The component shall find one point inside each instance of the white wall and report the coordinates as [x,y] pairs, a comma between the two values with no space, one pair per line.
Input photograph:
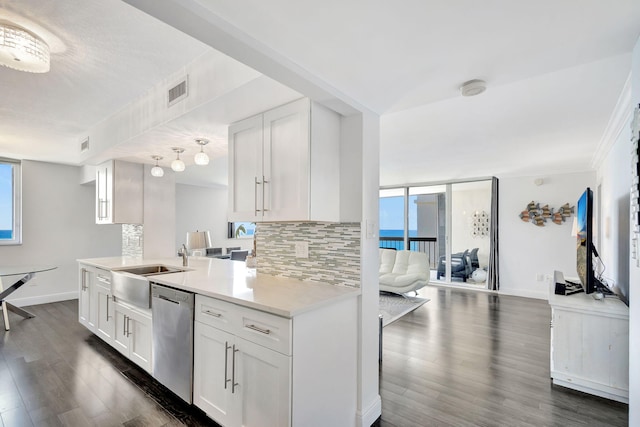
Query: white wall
[527,251]
[634,281]
[204,208]
[614,182]
[159,228]
[58,227]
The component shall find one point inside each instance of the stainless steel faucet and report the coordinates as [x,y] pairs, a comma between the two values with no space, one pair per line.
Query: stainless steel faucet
[185,256]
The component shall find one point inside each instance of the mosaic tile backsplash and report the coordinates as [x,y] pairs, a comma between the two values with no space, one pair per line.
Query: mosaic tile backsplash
[334,251]
[132,240]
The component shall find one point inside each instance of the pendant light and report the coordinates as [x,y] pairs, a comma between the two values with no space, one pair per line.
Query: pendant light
[177,165]
[157,171]
[201,158]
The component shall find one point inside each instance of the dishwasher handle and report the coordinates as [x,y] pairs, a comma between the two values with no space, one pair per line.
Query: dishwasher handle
[167,299]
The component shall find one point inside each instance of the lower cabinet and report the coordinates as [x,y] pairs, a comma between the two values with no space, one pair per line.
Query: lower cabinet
[238,382]
[104,311]
[132,334]
[257,369]
[124,327]
[86,302]
[590,345]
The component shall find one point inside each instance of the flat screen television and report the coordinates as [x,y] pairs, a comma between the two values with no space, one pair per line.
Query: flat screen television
[584,254]
[586,251]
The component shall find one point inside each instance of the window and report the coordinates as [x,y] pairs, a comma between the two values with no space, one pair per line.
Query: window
[437,220]
[241,230]
[10,202]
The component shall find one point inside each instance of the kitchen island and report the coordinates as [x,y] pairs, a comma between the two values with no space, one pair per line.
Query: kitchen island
[267,350]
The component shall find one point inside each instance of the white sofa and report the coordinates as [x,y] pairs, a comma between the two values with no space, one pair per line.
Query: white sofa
[403,271]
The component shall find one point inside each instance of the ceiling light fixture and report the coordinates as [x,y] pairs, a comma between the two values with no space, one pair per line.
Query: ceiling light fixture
[22,50]
[201,158]
[473,87]
[177,165]
[157,171]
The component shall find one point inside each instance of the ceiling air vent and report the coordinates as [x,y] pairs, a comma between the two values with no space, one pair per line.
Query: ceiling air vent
[84,145]
[178,92]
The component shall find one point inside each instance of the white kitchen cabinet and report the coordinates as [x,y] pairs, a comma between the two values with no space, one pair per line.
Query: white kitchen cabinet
[211,382]
[104,306]
[253,368]
[263,379]
[590,345]
[132,333]
[124,327]
[284,165]
[119,193]
[86,302]
[238,382]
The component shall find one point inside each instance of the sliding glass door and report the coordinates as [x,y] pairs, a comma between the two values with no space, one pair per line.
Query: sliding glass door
[469,218]
[426,212]
[393,218]
[449,222]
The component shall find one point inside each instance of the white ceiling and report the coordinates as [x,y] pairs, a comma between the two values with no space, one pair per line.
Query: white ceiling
[555,71]
[104,54]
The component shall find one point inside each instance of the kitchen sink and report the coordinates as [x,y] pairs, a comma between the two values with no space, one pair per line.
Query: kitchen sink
[131,284]
[149,270]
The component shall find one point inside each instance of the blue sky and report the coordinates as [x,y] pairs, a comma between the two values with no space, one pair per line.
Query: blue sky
[5,197]
[392,213]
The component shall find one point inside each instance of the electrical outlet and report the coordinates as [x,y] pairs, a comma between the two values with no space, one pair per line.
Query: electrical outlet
[302,249]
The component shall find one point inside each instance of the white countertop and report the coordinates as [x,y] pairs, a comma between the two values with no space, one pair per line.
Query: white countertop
[232,281]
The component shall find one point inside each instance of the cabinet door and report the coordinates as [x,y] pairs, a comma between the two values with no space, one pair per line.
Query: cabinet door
[120,324]
[139,334]
[104,312]
[104,191]
[212,362]
[86,304]
[264,378]
[286,162]
[245,170]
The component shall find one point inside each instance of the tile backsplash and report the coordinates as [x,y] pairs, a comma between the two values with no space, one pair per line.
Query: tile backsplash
[334,251]
[132,240]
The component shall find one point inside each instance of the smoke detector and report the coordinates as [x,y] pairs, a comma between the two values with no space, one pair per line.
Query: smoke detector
[473,87]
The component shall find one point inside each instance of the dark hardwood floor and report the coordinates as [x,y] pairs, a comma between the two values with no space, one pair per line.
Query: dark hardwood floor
[465,358]
[469,358]
[54,372]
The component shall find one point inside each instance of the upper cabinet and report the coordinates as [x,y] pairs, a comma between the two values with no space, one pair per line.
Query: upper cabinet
[284,165]
[119,193]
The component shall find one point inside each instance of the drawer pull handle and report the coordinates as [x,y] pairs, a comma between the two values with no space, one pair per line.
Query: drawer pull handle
[257,329]
[211,313]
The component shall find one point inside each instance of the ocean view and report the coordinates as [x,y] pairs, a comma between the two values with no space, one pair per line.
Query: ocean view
[6,234]
[397,233]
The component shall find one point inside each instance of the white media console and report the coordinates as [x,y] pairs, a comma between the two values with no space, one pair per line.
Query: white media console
[590,344]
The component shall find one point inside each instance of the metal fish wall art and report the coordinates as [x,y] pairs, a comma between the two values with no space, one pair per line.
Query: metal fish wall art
[538,216]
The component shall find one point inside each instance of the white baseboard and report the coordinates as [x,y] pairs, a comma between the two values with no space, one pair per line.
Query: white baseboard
[524,293]
[370,414]
[43,299]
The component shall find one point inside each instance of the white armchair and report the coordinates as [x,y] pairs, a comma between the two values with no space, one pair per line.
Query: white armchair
[403,271]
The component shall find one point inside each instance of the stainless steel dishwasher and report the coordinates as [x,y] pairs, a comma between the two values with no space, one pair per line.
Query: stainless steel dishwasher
[172,312]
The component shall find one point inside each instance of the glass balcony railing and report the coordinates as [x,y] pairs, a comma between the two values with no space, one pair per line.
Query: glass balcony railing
[428,245]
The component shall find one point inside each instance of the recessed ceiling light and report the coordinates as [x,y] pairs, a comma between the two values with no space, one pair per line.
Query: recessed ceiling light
[473,87]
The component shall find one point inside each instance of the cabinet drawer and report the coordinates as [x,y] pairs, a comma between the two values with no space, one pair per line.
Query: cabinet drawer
[217,313]
[265,329]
